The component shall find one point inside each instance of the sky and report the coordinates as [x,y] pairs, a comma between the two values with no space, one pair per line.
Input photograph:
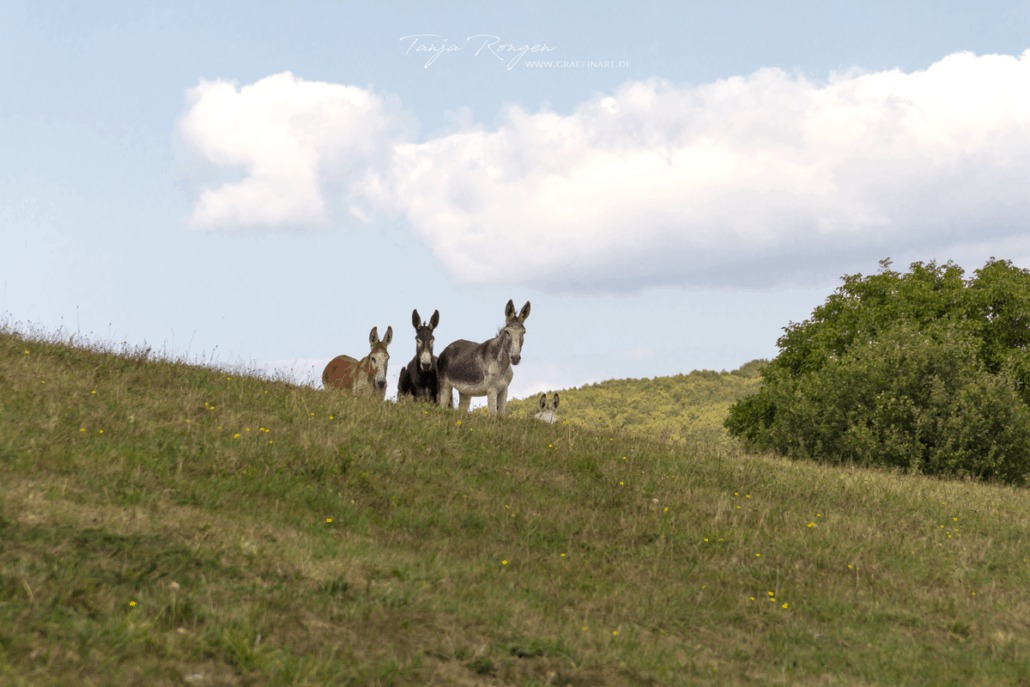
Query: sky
[669,184]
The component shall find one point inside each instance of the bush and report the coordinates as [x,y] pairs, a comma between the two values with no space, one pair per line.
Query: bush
[925,372]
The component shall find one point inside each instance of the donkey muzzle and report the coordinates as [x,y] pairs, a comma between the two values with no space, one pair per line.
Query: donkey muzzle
[380,384]
[515,359]
[425,362]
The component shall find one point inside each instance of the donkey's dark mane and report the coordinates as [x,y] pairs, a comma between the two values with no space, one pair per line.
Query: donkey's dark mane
[507,325]
[498,341]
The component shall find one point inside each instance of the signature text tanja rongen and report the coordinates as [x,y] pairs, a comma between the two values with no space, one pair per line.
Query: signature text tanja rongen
[422,43]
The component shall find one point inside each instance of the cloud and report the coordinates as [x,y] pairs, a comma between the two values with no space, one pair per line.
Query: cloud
[749,181]
[761,177]
[293,139]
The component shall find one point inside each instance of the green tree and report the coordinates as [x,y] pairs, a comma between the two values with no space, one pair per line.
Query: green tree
[925,370]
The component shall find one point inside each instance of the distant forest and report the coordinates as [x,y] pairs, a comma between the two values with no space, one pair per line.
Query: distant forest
[686,408]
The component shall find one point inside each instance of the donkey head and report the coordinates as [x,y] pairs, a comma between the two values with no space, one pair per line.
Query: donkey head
[548,413]
[379,358]
[513,324]
[424,338]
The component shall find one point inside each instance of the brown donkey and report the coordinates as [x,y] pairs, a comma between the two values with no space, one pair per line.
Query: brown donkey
[366,376]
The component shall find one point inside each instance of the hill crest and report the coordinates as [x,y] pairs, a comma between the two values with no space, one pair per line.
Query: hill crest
[682,408]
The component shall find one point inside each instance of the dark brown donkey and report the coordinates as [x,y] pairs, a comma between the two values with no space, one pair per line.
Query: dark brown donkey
[418,380]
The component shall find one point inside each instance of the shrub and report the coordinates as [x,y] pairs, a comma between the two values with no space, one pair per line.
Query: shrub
[922,371]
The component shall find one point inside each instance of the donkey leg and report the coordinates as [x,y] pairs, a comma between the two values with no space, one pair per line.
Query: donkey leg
[491,402]
[464,400]
[446,399]
[502,401]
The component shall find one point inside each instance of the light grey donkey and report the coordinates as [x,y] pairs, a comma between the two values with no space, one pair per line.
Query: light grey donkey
[483,369]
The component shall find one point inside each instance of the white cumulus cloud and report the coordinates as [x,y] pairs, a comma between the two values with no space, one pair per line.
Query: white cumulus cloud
[753,180]
[293,139]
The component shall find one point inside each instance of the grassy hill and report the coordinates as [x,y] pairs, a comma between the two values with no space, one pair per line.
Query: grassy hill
[683,409]
[165,524]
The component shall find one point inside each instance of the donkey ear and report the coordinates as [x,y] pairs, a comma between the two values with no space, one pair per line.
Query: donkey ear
[556,401]
[525,312]
[389,336]
[373,336]
[416,322]
[434,320]
[543,401]
[509,310]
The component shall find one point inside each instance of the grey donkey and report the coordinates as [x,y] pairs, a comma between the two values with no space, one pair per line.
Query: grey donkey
[483,369]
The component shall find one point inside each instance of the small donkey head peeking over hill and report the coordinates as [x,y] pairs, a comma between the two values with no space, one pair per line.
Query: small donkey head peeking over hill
[548,412]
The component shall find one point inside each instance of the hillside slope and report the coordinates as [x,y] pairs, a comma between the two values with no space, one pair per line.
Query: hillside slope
[166,524]
[686,408]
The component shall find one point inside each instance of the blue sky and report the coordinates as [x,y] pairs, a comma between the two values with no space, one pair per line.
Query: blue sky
[669,184]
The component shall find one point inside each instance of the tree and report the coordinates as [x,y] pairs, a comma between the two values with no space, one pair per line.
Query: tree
[924,371]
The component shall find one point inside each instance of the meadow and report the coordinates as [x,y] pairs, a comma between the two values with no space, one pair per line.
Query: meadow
[164,523]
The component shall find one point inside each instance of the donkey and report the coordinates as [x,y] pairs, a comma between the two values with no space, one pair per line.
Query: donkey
[483,369]
[367,376]
[548,413]
[418,379]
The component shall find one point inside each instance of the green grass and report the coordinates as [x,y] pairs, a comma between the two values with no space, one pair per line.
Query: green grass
[168,524]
